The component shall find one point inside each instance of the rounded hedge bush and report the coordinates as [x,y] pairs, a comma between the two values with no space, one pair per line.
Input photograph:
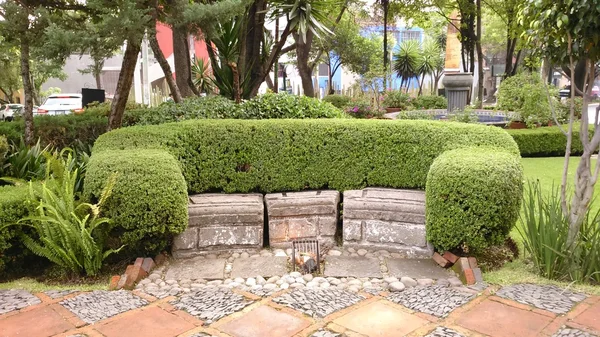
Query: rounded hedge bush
[473,198]
[284,105]
[149,201]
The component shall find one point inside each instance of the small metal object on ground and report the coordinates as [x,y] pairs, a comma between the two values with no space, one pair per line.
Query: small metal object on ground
[306,256]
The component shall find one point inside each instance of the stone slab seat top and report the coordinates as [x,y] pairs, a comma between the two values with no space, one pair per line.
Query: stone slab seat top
[265,266]
[196,268]
[221,222]
[390,219]
[345,266]
[417,269]
[302,215]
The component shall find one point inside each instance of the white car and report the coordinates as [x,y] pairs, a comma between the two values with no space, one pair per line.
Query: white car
[8,111]
[60,104]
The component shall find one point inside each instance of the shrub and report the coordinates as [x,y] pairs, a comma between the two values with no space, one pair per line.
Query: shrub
[429,102]
[396,99]
[68,233]
[190,108]
[363,109]
[415,115]
[25,162]
[284,105]
[290,155]
[473,197]
[338,101]
[3,153]
[148,203]
[467,115]
[563,109]
[545,142]
[526,94]
[13,207]
[59,131]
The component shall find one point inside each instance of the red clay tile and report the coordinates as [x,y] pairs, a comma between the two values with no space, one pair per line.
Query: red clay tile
[500,320]
[379,319]
[590,317]
[265,321]
[450,257]
[441,260]
[148,322]
[38,322]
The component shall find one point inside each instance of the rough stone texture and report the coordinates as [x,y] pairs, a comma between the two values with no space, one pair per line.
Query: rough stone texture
[202,334]
[441,331]
[437,300]
[302,215]
[54,294]
[318,302]
[546,297]
[211,304]
[566,332]
[101,304]
[196,268]
[386,219]
[326,333]
[417,269]
[265,266]
[342,266]
[221,222]
[15,299]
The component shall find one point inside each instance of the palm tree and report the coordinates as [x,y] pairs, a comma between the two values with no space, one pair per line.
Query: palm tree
[406,61]
[430,61]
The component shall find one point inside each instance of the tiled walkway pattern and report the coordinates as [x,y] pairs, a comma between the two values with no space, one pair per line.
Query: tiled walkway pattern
[516,311]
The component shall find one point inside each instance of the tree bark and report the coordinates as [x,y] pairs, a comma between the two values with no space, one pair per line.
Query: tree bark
[479,58]
[164,65]
[117,107]
[268,63]
[182,61]
[28,91]
[98,77]
[304,70]
[254,35]
[385,4]
[236,82]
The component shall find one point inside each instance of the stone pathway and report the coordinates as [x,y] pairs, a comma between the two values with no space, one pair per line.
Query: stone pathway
[433,310]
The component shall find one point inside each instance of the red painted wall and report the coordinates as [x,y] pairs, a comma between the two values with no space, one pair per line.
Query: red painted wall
[164,35]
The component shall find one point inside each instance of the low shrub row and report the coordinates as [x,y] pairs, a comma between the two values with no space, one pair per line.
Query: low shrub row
[546,141]
[149,201]
[473,197]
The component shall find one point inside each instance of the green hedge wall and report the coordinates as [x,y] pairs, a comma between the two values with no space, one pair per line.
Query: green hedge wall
[13,207]
[545,141]
[149,201]
[473,198]
[287,155]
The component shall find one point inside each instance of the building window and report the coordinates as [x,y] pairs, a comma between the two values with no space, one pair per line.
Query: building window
[323,70]
[408,35]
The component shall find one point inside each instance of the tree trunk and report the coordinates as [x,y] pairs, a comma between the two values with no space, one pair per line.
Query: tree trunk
[252,57]
[236,82]
[330,90]
[385,42]
[421,84]
[181,57]
[164,65]
[304,70]
[98,77]
[28,91]
[117,107]
[276,69]
[479,59]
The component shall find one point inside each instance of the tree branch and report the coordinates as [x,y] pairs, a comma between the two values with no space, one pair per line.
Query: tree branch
[337,21]
[288,49]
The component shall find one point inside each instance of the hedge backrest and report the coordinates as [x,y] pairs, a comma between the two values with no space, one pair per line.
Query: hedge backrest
[288,155]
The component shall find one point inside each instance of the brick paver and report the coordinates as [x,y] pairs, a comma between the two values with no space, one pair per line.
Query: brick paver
[148,322]
[265,321]
[38,322]
[501,320]
[590,318]
[380,319]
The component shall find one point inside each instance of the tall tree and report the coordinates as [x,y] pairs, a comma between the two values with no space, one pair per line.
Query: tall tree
[10,81]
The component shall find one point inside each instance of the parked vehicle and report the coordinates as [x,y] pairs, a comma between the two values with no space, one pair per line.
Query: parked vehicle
[60,104]
[9,111]
[595,92]
[565,92]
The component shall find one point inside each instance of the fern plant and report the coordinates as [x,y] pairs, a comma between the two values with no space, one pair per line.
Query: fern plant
[69,233]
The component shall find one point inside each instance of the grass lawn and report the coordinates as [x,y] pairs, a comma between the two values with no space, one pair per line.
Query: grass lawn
[548,171]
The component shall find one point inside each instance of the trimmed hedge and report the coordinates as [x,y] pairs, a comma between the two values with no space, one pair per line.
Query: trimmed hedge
[149,201]
[13,207]
[545,141]
[473,198]
[59,131]
[289,155]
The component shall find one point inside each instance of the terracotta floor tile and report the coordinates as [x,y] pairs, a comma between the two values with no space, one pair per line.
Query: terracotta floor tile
[265,321]
[590,317]
[148,322]
[380,319]
[501,320]
[38,322]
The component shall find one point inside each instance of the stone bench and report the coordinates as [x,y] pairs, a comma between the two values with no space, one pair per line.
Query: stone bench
[220,223]
[390,219]
[302,215]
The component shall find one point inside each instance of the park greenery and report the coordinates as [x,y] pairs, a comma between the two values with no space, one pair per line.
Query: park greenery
[80,210]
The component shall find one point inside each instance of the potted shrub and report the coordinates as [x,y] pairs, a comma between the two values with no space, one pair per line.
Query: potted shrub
[395,101]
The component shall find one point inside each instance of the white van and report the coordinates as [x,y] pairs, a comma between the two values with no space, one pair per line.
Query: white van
[60,104]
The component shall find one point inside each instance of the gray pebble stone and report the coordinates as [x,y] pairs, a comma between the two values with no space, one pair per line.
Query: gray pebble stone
[307,277]
[362,252]
[396,286]
[409,282]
